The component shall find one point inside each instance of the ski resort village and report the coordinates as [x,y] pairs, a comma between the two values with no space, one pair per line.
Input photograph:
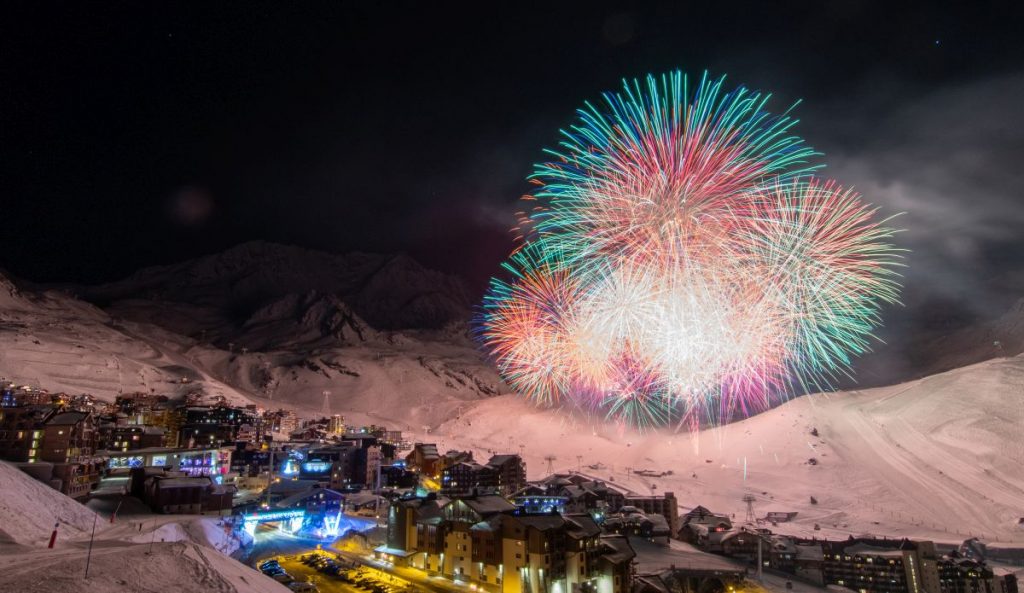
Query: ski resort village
[322,504]
[570,297]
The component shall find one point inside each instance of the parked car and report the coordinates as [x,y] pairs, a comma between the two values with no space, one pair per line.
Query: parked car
[282,577]
[302,587]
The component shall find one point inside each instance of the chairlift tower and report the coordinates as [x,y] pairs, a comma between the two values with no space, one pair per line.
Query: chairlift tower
[551,463]
[749,499]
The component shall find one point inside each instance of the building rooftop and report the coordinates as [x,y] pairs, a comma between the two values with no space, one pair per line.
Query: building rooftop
[67,418]
[498,460]
[618,549]
[541,522]
[491,524]
[655,558]
[294,499]
[581,526]
[486,504]
[863,549]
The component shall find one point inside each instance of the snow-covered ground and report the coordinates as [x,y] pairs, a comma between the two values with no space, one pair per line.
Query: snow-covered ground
[29,509]
[63,344]
[941,458]
[168,553]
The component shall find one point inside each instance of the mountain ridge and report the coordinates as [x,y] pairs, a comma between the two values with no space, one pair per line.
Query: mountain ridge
[391,292]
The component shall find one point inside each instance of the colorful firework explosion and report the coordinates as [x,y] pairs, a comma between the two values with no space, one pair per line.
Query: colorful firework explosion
[682,263]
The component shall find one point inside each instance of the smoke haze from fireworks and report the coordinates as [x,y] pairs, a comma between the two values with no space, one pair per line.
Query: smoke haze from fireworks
[683,263]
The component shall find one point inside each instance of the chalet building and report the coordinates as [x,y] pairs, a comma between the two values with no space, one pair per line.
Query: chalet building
[129,438]
[345,464]
[415,527]
[394,476]
[462,477]
[744,543]
[452,457]
[697,526]
[881,566]
[167,417]
[808,559]
[68,437]
[56,448]
[665,505]
[424,459]
[776,517]
[533,500]
[459,516]
[631,522]
[507,473]
[583,494]
[482,541]
[181,494]
[21,431]
[137,405]
[212,425]
[966,575]
[502,474]
[872,565]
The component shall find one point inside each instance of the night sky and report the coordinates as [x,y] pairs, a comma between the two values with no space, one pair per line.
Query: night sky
[143,133]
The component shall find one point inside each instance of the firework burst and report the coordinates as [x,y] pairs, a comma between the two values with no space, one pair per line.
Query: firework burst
[682,263]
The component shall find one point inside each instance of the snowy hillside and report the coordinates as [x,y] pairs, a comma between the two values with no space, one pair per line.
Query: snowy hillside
[289,350]
[64,344]
[29,509]
[122,557]
[941,457]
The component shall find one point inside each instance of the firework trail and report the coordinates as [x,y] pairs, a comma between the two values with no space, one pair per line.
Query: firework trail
[681,263]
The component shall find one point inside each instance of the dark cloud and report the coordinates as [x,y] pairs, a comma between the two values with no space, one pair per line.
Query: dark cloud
[949,159]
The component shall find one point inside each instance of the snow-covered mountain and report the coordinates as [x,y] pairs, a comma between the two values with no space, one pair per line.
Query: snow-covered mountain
[217,292]
[289,348]
[54,340]
[1003,336]
[938,457]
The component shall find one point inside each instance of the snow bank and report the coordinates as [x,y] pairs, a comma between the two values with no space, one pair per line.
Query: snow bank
[168,532]
[182,567]
[29,509]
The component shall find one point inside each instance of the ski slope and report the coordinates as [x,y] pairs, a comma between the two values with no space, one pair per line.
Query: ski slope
[165,553]
[941,457]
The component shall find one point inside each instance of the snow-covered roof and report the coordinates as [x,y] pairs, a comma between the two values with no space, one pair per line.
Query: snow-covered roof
[869,550]
[618,549]
[490,524]
[298,497]
[489,503]
[581,526]
[809,552]
[67,418]
[498,460]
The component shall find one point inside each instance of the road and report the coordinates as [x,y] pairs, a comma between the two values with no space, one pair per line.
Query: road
[326,583]
[351,550]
